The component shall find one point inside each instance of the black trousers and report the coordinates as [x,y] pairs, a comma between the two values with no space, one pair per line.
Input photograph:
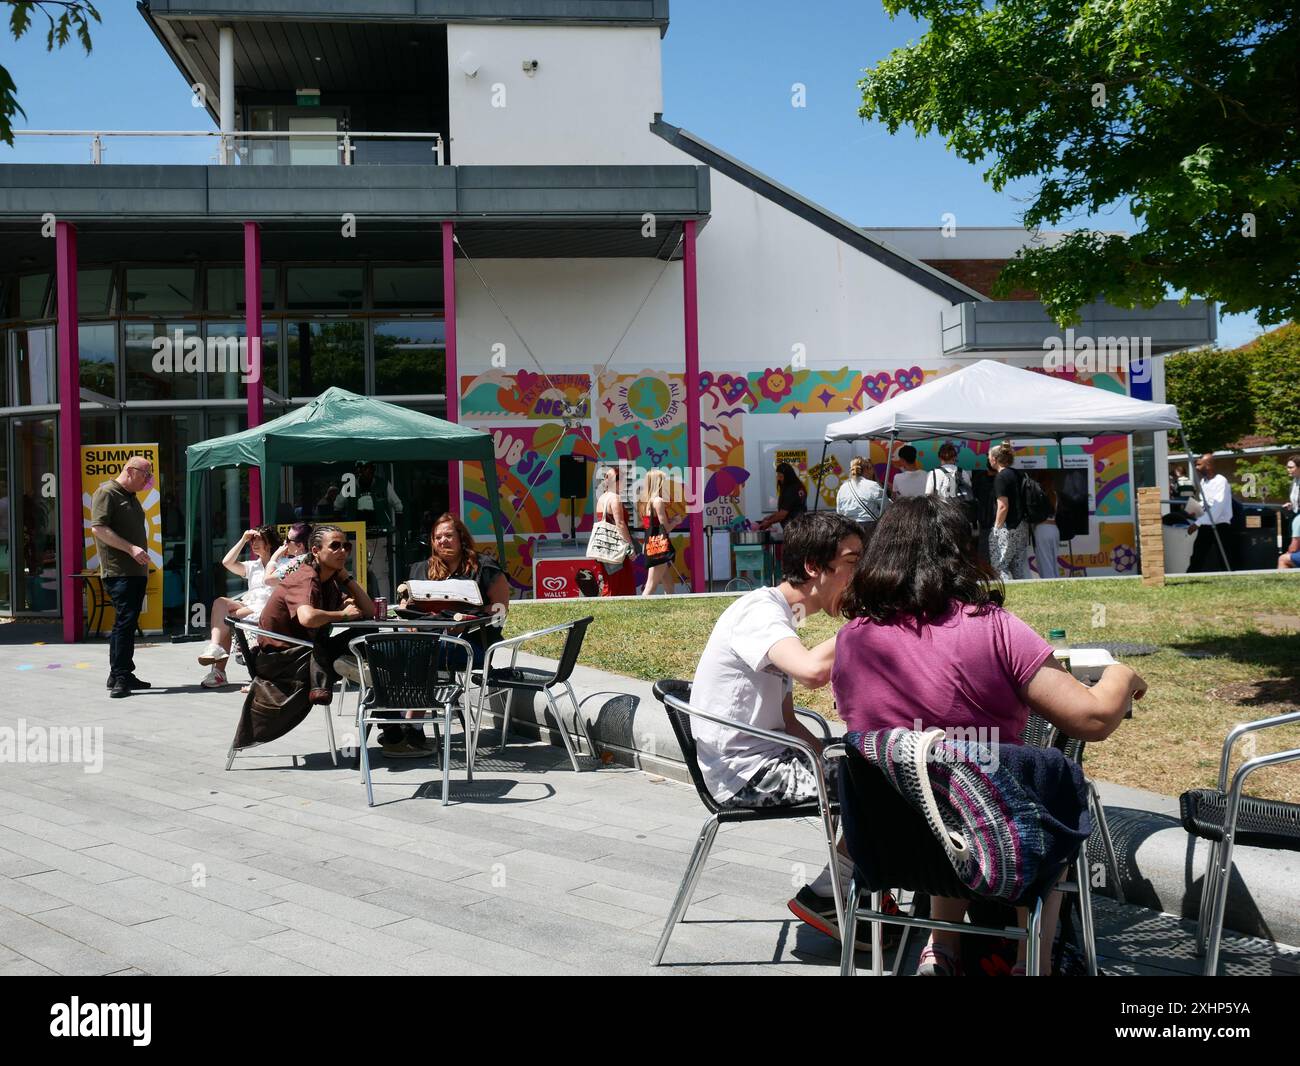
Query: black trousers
[1206,558]
[127,594]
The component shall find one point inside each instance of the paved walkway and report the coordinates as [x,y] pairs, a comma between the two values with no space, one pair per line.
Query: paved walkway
[163,863]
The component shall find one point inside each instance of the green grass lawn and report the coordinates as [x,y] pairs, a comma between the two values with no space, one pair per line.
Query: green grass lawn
[1244,633]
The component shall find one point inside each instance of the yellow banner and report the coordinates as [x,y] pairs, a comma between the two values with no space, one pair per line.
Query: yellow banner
[356,534]
[103,462]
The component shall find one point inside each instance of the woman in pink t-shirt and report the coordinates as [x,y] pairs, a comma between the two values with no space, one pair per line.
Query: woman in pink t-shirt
[929,645]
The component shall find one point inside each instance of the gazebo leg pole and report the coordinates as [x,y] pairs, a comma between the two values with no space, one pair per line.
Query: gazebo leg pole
[821,474]
[889,469]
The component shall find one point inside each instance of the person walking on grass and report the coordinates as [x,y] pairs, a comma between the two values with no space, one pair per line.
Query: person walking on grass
[117,522]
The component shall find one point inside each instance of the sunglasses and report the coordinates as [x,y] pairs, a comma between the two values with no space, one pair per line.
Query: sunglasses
[340,546]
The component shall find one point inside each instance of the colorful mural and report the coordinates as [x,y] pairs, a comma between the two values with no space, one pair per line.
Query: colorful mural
[640,417]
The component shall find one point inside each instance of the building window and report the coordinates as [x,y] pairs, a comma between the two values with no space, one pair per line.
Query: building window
[151,290]
[95,293]
[35,365]
[407,288]
[226,290]
[36,517]
[157,371]
[223,341]
[410,358]
[322,354]
[97,353]
[34,296]
[324,288]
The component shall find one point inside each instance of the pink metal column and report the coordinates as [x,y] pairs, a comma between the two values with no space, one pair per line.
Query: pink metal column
[452,386]
[694,446]
[72,532]
[253,331]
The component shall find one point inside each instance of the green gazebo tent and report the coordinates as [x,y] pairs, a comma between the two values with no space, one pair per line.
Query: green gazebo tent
[337,426]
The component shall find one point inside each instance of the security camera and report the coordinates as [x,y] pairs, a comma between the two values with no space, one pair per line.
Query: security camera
[530,67]
[469,64]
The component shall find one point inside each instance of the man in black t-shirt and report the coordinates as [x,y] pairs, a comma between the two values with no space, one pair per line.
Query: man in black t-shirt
[1009,538]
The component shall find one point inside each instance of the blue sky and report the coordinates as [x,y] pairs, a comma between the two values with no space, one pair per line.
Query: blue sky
[729,68]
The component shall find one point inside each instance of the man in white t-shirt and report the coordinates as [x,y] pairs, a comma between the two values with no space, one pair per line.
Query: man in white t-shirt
[747,673]
[1217,493]
[910,481]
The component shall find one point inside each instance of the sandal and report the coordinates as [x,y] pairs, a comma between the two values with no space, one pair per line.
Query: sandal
[936,962]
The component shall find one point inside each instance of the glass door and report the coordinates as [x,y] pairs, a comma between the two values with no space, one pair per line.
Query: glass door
[35,565]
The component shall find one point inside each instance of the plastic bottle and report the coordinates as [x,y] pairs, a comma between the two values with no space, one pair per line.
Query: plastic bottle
[1061,649]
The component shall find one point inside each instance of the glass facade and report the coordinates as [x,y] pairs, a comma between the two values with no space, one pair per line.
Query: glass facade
[161,361]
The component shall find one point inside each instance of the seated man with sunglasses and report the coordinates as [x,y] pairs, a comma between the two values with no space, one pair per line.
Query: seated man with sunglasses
[316,595]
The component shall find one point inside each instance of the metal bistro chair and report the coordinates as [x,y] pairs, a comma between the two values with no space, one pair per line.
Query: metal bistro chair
[890,840]
[1226,817]
[675,696]
[512,678]
[1040,733]
[413,672]
[242,631]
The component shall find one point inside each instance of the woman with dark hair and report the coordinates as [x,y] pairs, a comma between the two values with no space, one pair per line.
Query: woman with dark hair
[262,542]
[929,645]
[291,554]
[791,497]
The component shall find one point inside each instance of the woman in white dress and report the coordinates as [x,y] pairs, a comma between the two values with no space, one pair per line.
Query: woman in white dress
[263,542]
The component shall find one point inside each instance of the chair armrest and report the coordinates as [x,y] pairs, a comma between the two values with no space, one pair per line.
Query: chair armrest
[1239,731]
[514,643]
[248,627]
[784,739]
[817,719]
[1239,782]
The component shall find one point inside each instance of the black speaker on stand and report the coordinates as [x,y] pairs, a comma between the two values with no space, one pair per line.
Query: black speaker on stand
[573,486]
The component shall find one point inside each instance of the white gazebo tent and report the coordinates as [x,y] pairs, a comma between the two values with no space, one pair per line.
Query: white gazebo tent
[988,400]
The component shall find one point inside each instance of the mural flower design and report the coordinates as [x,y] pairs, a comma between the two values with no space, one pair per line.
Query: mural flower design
[776,384]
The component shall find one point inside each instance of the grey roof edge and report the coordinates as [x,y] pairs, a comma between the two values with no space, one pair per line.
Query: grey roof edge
[146,13]
[188,9]
[829,222]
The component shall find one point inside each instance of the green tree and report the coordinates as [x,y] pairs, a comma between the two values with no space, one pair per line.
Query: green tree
[1275,383]
[70,17]
[1211,390]
[1186,112]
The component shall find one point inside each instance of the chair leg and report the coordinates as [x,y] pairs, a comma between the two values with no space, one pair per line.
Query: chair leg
[1209,884]
[877,937]
[1103,827]
[901,952]
[1222,882]
[1081,875]
[230,757]
[581,722]
[849,930]
[564,730]
[363,749]
[505,721]
[446,756]
[329,734]
[1033,948]
[687,888]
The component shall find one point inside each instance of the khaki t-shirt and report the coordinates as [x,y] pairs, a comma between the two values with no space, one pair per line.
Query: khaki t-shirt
[119,508]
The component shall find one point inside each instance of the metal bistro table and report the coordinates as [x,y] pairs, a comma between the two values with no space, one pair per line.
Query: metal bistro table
[452,627]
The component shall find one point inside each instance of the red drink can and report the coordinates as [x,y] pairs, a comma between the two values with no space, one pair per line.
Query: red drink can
[381,609]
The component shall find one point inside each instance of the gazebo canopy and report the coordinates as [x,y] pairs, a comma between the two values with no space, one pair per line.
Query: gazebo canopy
[337,426]
[987,400]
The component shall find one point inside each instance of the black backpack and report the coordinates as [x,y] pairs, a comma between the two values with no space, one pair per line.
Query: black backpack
[1034,503]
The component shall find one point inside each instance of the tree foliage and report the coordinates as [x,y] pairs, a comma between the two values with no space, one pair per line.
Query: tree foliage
[65,19]
[1187,112]
[1274,361]
[1211,390]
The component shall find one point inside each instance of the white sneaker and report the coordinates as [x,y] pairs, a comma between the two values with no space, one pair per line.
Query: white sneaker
[213,653]
[216,678]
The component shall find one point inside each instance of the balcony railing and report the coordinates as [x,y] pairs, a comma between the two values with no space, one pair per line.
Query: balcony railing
[252,148]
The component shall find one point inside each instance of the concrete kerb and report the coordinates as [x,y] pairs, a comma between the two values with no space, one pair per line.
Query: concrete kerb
[1161,866]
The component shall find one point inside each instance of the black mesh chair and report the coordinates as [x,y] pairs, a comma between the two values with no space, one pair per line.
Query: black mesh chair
[241,631]
[1040,733]
[1227,817]
[493,681]
[412,672]
[675,696]
[893,847]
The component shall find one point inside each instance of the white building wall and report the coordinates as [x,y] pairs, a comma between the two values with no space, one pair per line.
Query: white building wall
[594,95]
